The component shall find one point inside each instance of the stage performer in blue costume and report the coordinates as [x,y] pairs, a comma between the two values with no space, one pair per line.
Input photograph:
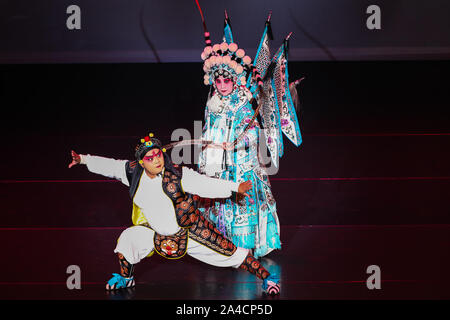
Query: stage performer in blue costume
[165,215]
[231,120]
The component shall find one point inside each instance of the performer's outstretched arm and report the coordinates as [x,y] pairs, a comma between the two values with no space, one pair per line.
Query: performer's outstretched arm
[204,186]
[105,166]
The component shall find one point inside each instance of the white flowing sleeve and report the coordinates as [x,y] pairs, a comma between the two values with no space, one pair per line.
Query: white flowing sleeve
[206,187]
[107,167]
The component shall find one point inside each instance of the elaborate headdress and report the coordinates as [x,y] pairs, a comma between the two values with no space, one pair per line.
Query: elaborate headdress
[267,75]
[146,144]
[225,59]
[150,142]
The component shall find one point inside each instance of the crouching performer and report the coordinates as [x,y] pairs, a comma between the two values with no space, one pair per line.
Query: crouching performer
[165,215]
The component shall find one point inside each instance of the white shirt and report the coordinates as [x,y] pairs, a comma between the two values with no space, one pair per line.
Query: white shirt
[156,206]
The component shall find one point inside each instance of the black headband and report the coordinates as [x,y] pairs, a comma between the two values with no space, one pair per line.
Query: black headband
[146,146]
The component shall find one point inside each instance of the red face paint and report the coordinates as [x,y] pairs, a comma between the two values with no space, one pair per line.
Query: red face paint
[224,85]
[152,157]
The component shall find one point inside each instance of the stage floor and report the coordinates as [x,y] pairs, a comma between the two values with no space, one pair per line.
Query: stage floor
[316,262]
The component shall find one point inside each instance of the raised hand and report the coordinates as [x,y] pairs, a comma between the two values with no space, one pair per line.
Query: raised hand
[244,187]
[76,159]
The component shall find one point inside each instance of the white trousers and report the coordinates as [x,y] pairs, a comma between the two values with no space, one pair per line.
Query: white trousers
[135,243]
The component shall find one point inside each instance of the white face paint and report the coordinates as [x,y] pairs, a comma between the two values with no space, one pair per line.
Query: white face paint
[224,85]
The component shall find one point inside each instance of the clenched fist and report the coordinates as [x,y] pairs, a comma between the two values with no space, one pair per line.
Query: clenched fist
[76,159]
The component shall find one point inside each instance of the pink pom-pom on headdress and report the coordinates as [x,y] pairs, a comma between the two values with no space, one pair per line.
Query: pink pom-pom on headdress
[226,59]
[232,47]
[208,50]
[247,60]
[223,46]
[240,53]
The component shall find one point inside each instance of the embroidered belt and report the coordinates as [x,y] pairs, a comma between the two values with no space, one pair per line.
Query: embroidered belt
[170,247]
[173,246]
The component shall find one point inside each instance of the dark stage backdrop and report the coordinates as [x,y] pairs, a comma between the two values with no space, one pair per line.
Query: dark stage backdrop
[375,140]
[171,30]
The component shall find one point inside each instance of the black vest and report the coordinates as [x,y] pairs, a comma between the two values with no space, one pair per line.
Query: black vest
[187,214]
[183,203]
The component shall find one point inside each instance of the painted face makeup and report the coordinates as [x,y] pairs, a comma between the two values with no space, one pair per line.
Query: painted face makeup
[153,156]
[153,162]
[224,85]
